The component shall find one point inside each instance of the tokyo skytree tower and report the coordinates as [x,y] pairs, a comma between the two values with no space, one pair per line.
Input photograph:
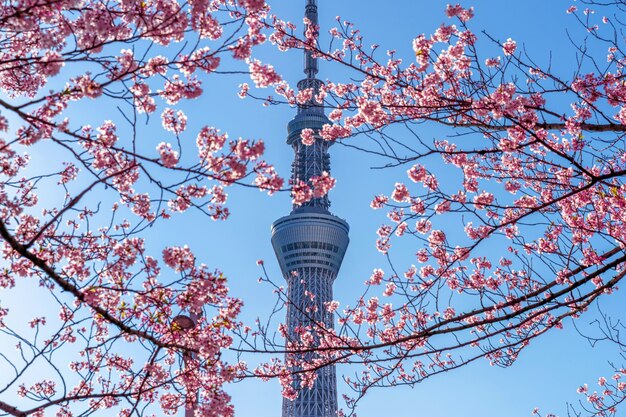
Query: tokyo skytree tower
[310,244]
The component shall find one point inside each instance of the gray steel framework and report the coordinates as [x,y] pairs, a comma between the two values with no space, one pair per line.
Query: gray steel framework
[310,244]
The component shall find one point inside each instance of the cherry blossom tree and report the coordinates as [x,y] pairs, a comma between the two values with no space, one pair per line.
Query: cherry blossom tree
[517,217]
[72,226]
[531,173]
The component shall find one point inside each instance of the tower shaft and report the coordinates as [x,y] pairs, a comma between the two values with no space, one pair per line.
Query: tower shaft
[310,244]
[310,247]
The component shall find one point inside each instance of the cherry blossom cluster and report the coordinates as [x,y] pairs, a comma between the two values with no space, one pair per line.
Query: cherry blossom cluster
[319,186]
[72,223]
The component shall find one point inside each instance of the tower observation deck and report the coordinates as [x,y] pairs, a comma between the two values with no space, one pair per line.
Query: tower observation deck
[310,244]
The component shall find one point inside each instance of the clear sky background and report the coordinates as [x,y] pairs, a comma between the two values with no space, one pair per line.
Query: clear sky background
[546,374]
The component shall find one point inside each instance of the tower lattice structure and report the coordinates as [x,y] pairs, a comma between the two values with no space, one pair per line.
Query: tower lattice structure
[310,244]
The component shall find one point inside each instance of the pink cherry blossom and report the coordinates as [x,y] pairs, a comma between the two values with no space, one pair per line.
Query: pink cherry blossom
[307,136]
[169,157]
[509,47]
[263,75]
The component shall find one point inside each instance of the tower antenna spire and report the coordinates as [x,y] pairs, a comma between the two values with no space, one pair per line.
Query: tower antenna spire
[310,62]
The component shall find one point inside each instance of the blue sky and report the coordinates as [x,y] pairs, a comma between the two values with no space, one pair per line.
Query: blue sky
[547,373]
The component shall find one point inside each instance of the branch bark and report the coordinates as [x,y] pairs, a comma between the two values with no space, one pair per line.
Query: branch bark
[11,410]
